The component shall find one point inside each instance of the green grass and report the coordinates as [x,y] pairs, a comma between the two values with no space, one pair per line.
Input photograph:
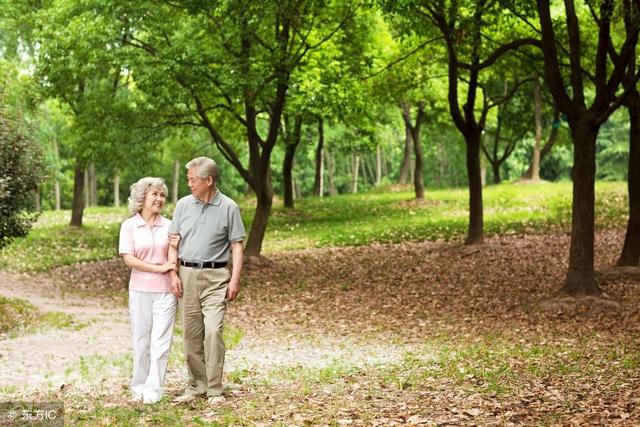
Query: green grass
[17,315]
[378,216]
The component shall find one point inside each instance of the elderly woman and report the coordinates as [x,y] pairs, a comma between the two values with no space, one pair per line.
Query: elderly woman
[144,245]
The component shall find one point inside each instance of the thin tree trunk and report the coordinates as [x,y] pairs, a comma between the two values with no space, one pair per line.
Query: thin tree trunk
[77,206]
[630,255]
[116,190]
[292,140]
[87,198]
[331,170]
[287,172]
[580,277]
[495,167]
[176,181]
[36,200]
[319,170]
[405,167]
[414,130]
[93,185]
[474,174]
[537,102]
[355,162]
[551,140]
[57,194]
[378,165]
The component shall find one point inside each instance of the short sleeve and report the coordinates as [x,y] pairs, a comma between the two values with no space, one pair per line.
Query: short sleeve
[174,227]
[236,228]
[126,239]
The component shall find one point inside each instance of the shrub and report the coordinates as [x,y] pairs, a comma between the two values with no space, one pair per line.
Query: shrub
[21,169]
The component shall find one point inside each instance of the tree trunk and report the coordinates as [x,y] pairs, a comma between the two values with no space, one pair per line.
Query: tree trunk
[176,181]
[537,102]
[474,174]
[77,206]
[116,190]
[57,194]
[264,196]
[406,159]
[355,162]
[378,165]
[292,140]
[93,185]
[331,170]
[36,200]
[630,255]
[287,172]
[495,167]
[551,140]
[318,181]
[87,196]
[418,179]
[580,279]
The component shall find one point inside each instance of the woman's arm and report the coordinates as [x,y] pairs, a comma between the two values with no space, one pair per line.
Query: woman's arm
[134,262]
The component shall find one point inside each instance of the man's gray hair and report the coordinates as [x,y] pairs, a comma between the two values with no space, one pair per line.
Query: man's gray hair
[138,191]
[205,167]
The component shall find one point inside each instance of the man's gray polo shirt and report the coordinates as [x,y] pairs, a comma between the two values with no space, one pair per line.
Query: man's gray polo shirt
[207,229]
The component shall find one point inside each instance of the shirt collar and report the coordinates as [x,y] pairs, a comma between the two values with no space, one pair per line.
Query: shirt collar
[140,222]
[217,199]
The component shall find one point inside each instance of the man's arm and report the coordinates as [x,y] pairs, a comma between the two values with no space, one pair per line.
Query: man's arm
[176,283]
[237,255]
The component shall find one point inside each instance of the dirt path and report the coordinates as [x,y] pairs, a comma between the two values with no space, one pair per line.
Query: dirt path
[93,355]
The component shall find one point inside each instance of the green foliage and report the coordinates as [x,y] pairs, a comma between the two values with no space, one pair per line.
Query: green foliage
[21,169]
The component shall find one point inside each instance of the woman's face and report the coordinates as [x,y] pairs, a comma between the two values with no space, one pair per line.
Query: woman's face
[154,200]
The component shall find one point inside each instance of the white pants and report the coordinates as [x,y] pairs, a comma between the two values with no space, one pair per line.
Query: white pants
[152,318]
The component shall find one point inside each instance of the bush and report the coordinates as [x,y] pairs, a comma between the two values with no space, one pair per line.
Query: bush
[21,169]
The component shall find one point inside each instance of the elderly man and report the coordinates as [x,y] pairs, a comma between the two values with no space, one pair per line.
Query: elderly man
[210,226]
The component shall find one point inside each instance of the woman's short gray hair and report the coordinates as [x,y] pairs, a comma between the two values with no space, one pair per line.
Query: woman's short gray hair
[206,167]
[138,191]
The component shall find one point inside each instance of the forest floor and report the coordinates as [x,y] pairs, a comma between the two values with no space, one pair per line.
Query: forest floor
[403,334]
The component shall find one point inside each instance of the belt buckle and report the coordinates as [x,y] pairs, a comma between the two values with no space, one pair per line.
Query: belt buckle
[200,264]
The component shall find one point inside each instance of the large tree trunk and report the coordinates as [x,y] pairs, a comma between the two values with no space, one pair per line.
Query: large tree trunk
[537,102]
[630,255]
[580,279]
[176,181]
[77,206]
[474,174]
[116,190]
[264,196]
[319,172]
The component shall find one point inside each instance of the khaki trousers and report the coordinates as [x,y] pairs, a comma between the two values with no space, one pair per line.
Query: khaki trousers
[204,303]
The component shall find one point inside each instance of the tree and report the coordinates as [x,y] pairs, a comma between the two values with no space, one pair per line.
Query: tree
[227,66]
[466,27]
[610,89]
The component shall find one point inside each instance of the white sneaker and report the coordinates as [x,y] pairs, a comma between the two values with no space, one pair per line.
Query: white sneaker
[216,400]
[151,397]
[136,396]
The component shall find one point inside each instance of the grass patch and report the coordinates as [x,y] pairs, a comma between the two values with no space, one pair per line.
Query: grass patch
[17,315]
[357,219]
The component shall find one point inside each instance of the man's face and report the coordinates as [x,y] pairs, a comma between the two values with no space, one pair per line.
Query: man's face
[198,186]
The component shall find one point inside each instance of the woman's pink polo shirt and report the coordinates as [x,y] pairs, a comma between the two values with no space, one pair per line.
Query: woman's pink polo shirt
[149,244]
